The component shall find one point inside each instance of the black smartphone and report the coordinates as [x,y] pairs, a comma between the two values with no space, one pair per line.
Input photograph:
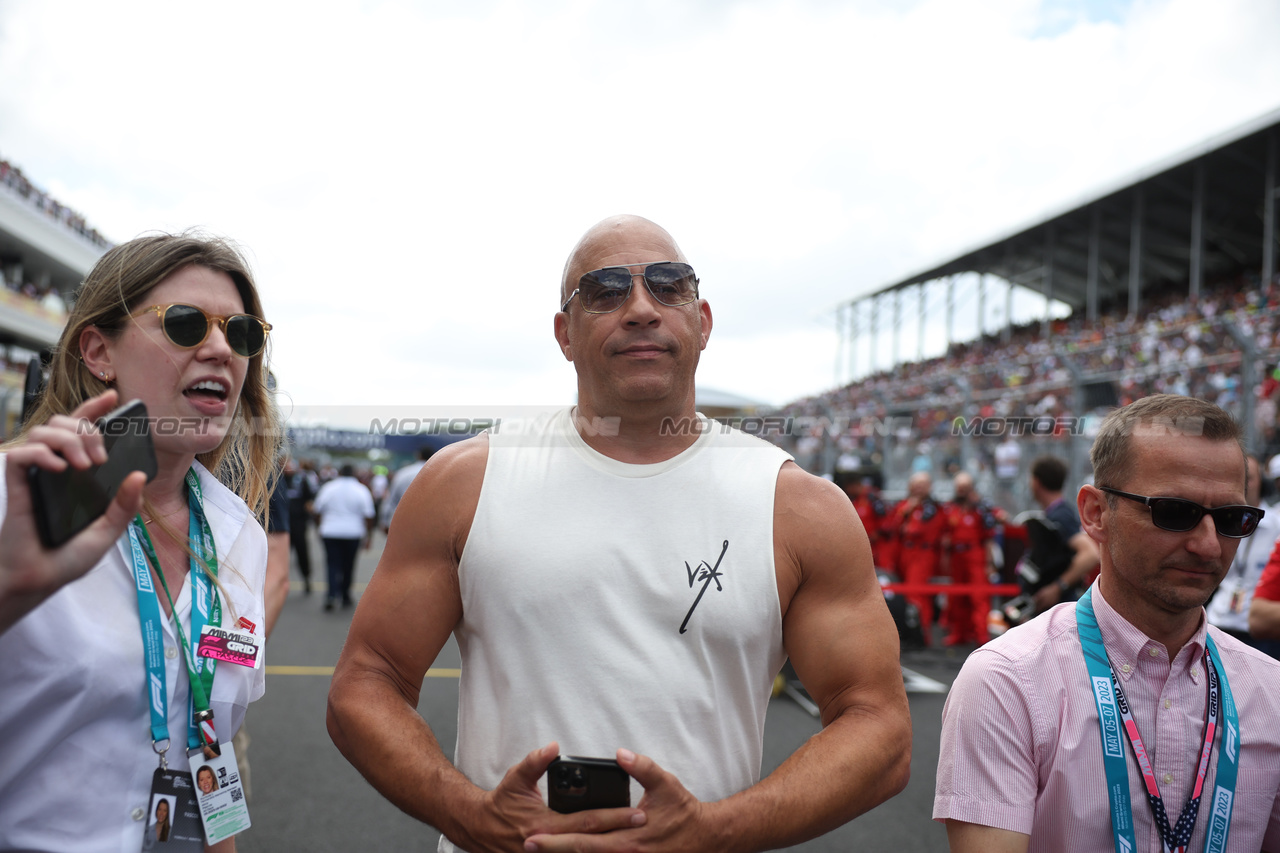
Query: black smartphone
[69,500]
[575,784]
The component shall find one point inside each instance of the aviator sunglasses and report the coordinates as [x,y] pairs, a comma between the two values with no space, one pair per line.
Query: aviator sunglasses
[188,327]
[605,290]
[1178,515]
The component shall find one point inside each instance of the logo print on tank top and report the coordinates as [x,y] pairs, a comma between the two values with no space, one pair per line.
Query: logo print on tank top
[706,573]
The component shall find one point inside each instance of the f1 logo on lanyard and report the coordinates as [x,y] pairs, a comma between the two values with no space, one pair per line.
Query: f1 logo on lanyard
[1112,710]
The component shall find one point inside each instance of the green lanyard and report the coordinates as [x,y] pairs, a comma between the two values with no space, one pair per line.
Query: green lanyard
[206,608]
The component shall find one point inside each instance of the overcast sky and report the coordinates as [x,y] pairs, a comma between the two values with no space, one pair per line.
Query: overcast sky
[408,178]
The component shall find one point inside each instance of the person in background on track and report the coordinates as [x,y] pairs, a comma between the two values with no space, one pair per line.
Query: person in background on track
[922,529]
[971,524]
[346,517]
[1048,478]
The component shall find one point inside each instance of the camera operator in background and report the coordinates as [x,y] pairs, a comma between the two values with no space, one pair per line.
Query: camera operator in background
[1067,571]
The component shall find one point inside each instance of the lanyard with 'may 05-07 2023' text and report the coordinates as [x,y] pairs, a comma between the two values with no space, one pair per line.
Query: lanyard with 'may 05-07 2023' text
[1116,725]
[206,608]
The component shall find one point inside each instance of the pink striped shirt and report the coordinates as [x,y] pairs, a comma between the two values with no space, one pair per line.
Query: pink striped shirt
[1021,748]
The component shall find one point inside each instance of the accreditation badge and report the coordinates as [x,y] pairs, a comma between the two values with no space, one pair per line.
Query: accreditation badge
[230,645]
[1238,598]
[219,793]
[173,817]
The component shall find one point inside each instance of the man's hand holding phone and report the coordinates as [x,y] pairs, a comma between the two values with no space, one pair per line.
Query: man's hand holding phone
[29,571]
[506,817]
[670,817]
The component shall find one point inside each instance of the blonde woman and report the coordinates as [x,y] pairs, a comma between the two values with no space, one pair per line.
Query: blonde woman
[96,681]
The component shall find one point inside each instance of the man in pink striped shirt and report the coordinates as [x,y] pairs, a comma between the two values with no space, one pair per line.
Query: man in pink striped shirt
[1022,764]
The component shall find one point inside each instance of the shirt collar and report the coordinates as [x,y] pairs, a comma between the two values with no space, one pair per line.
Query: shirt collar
[1126,642]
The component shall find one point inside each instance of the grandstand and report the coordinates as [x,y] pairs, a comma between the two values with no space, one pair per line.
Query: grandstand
[46,249]
[1170,284]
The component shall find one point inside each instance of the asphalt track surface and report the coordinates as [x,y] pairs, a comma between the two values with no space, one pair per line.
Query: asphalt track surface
[304,796]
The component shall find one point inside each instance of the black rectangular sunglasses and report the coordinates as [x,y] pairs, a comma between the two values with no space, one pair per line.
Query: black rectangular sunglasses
[1178,515]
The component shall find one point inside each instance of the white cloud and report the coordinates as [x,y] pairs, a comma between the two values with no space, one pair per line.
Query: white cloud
[408,180]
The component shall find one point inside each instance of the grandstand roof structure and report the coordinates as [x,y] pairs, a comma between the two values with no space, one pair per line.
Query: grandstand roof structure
[1206,213]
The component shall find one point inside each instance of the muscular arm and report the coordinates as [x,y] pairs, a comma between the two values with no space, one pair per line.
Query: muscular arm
[405,617]
[844,646]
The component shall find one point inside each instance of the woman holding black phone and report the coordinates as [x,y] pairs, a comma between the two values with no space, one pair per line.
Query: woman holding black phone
[99,637]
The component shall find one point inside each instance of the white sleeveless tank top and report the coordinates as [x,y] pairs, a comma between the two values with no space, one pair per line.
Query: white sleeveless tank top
[611,605]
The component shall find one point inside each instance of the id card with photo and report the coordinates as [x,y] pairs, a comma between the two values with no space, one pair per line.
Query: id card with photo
[219,794]
[173,818]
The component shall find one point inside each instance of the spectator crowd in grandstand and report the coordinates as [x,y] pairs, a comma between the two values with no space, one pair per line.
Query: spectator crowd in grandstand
[47,295]
[25,287]
[1179,346]
[12,179]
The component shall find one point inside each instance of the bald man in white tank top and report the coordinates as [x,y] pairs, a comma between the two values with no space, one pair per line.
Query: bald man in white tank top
[625,579]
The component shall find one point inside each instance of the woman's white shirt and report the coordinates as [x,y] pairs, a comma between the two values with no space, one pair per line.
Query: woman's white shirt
[76,758]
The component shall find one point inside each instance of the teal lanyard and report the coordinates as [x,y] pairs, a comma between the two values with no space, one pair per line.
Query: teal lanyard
[206,608]
[1113,735]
